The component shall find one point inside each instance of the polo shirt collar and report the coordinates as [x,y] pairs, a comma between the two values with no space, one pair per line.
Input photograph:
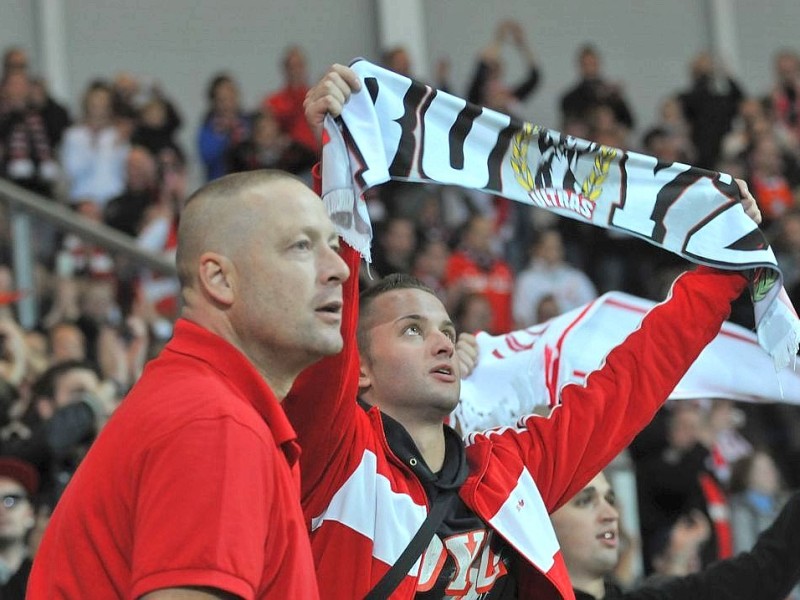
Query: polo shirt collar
[193,340]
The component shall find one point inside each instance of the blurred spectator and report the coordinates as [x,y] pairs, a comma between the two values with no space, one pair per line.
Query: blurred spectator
[19,483]
[473,313]
[604,128]
[672,121]
[64,306]
[476,267]
[725,441]
[396,243]
[755,121]
[93,153]
[488,88]
[79,258]
[135,94]
[27,155]
[157,296]
[268,147]
[787,251]
[13,355]
[593,90]
[757,495]
[67,343]
[397,59]
[15,60]
[430,264]
[710,105]
[155,131]
[768,181]
[126,211]
[224,125]
[56,116]
[67,407]
[547,308]
[126,91]
[678,552]
[432,220]
[785,98]
[677,479]
[286,104]
[664,145]
[548,274]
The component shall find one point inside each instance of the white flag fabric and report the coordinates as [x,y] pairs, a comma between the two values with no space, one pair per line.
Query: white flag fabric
[525,369]
[398,128]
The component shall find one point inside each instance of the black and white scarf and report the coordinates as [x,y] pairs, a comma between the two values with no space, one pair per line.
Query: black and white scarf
[398,128]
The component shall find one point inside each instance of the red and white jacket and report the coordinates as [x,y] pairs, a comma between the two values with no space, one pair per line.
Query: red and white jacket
[363,504]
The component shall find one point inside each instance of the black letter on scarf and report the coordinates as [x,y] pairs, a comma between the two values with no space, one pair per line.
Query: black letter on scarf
[406,149]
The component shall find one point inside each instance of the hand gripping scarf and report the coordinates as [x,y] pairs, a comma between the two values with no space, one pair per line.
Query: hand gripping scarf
[398,128]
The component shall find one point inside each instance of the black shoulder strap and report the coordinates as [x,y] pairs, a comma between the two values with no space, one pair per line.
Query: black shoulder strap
[389,582]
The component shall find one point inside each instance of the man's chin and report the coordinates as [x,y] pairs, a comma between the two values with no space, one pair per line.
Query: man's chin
[330,345]
[446,405]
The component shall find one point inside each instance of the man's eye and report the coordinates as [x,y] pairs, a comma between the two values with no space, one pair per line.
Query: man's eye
[302,245]
[451,335]
[413,329]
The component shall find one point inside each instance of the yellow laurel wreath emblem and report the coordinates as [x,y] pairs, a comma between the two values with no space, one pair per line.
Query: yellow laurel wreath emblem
[592,186]
[519,155]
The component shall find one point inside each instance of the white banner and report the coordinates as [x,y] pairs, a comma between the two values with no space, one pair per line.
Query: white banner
[524,369]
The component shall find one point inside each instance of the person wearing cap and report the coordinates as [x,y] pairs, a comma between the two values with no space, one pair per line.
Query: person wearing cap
[19,482]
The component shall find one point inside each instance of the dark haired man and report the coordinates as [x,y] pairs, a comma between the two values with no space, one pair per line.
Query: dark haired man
[588,530]
[380,455]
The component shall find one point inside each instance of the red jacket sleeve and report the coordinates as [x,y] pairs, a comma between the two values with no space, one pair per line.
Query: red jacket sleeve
[596,421]
[322,406]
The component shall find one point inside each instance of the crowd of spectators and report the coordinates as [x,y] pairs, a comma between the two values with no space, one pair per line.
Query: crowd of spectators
[497,265]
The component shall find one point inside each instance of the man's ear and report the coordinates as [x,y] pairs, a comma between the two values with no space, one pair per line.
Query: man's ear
[364,376]
[217,277]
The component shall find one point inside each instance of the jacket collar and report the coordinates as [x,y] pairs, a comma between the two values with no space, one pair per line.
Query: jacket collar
[454,470]
[190,339]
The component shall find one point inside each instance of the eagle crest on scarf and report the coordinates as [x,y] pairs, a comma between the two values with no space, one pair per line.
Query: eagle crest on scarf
[560,157]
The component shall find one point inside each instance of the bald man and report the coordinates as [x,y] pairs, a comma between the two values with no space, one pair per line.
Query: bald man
[191,490]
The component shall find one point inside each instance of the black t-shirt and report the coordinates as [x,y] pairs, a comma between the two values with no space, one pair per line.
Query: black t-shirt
[466,554]
[14,588]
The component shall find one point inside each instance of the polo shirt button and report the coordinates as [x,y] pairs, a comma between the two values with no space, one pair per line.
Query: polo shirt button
[413,462]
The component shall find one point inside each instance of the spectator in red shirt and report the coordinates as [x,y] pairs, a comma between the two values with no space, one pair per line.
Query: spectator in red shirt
[475,267]
[191,490]
[287,103]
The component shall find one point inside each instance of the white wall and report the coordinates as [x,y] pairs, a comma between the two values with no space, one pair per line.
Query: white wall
[17,25]
[765,27]
[646,45]
[183,43]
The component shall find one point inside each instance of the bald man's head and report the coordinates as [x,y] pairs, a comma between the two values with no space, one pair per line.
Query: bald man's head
[259,264]
[216,217]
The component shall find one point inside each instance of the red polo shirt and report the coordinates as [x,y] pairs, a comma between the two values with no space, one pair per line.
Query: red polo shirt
[193,482]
